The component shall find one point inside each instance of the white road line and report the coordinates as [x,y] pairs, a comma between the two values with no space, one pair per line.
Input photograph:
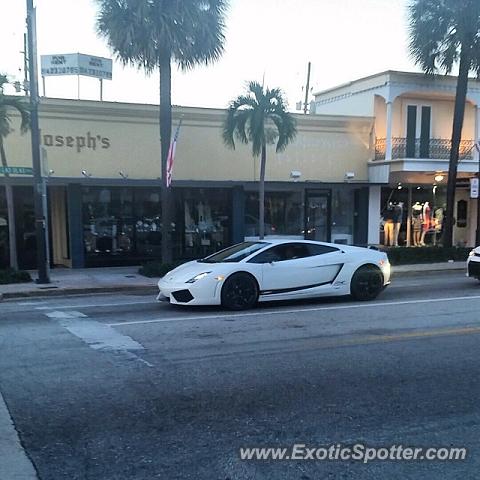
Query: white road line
[299,310]
[94,305]
[98,336]
[62,315]
[14,462]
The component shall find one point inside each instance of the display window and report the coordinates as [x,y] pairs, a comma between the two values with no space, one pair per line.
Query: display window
[412,215]
[121,223]
[284,214]
[4,260]
[206,220]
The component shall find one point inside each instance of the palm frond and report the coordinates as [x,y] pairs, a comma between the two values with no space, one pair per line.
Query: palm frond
[259,116]
[439,29]
[141,32]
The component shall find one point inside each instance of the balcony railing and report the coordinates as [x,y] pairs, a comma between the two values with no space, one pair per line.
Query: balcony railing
[436,148]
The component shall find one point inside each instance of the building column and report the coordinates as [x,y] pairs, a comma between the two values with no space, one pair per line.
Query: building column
[238,215]
[75,225]
[388,141]
[374,212]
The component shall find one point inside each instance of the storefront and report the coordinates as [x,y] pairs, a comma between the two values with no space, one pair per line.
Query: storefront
[413,215]
[102,165]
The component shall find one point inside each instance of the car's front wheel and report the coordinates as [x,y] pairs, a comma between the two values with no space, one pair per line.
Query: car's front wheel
[239,292]
[367,283]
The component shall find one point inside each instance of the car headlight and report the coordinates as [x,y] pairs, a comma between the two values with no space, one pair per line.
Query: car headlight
[472,253]
[198,277]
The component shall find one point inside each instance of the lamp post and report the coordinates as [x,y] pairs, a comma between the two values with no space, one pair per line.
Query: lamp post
[38,183]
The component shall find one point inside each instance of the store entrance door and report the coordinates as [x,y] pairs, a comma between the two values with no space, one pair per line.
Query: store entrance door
[318,216]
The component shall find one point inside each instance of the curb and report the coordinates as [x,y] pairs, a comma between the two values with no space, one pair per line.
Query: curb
[58,292]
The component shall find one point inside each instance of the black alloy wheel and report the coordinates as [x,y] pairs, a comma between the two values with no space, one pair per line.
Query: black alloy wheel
[367,283]
[239,292]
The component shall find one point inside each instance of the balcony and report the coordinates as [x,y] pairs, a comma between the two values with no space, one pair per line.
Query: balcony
[435,148]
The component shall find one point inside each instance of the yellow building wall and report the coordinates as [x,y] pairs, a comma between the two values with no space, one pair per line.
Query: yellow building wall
[104,139]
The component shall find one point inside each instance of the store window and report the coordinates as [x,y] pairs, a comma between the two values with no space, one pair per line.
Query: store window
[343,201]
[3,229]
[422,219]
[121,225]
[284,214]
[205,214]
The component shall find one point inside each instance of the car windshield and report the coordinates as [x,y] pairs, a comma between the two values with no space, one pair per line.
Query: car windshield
[235,253]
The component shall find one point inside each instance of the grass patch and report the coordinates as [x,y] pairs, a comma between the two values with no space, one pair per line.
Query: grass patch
[9,275]
[411,255]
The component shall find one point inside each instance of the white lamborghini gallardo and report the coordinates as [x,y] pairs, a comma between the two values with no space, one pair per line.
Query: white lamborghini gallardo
[267,270]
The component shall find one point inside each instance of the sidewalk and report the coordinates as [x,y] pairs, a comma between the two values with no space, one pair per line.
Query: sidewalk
[65,281]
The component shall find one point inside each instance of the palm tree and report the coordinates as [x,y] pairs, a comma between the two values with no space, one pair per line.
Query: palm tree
[444,33]
[151,34]
[7,104]
[260,117]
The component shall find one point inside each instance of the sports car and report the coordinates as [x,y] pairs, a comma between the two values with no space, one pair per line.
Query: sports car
[258,271]
[473,263]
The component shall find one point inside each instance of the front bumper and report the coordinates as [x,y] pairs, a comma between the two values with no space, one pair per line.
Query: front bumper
[473,267]
[203,292]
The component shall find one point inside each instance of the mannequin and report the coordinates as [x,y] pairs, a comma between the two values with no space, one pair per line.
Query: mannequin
[417,220]
[397,221]
[388,226]
[427,221]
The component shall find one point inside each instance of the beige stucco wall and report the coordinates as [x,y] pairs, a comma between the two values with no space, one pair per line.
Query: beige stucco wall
[441,119]
[105,138]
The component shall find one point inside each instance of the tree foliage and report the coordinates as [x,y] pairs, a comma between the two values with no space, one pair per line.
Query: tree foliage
[259,117]
[440,29]
[142,32]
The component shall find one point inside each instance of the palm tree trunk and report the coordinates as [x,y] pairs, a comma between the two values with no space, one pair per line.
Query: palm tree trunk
[458,118]
[261,194]
[12,236]
[165,139]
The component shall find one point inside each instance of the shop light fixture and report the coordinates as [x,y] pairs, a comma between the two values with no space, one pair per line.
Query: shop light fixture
[123,174]
[399,186]
[439,178]
[86,174]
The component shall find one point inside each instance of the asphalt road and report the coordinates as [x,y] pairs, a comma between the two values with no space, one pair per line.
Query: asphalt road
[117,387]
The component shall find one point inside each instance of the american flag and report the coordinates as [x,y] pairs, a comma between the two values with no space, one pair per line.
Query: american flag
[171,155]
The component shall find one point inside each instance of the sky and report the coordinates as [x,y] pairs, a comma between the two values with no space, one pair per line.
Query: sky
[265,39]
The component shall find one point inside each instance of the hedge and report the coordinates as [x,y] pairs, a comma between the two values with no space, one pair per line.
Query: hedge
[156,269]
[410,255]
[14,276]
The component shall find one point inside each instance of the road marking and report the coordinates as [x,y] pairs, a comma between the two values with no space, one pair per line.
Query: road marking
[98,336]
[299,310]
[14,462]
[315,344]
[62,315]
[94,305]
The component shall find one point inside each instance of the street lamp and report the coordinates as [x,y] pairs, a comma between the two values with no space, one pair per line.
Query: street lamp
[38,184]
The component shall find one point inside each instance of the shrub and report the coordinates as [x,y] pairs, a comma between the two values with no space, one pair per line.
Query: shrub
[156,269]
[14,276]
[410,255]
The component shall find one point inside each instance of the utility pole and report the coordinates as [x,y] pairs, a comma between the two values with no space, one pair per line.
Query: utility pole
[38,184]
[305,106]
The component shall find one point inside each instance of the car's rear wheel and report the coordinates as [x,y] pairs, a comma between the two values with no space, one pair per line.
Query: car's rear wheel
[367,283]
[239,292]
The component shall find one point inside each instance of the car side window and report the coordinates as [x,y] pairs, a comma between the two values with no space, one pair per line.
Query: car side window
[321,249]
[283,252]
[271,255]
